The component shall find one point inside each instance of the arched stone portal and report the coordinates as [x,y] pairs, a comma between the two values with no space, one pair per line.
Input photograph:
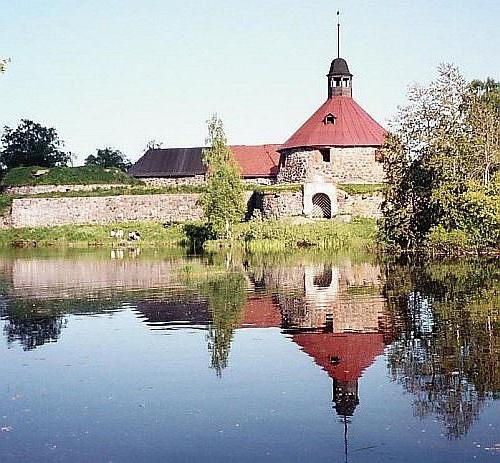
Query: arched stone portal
[322,206]
[320,199]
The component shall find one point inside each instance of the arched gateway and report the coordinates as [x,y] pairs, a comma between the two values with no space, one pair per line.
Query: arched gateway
[322,206]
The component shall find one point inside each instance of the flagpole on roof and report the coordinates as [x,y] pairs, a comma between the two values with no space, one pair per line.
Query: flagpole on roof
[338,34]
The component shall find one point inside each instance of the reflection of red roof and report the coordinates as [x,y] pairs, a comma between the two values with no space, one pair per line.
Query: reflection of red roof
[257,161]
[355,352]
[353,127]
[261,313]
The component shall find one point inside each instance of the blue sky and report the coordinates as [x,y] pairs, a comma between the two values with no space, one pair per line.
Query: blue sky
[119,73]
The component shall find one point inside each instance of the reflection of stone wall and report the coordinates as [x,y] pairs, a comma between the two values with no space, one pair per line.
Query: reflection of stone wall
[348,295]
[346,165]
[72,278]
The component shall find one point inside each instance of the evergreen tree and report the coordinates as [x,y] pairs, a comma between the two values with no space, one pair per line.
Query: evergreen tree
[223,200]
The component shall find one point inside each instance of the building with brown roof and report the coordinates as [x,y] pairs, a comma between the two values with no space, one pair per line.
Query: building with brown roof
[339,143]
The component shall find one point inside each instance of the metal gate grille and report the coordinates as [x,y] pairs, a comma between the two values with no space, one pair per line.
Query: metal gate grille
[322,206]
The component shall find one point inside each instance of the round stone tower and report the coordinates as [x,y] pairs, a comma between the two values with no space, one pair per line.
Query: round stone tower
[338,143]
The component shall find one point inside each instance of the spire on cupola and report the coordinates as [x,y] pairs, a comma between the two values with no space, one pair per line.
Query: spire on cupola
[339,77]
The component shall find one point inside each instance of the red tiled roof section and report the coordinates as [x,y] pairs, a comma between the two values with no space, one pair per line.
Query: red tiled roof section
[353,352]
[353,127]
[257,160]
[254,161]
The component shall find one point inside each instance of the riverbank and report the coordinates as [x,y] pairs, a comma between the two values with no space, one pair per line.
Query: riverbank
[258,236]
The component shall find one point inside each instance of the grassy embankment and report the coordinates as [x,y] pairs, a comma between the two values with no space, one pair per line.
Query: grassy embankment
[266,236]
[84,175]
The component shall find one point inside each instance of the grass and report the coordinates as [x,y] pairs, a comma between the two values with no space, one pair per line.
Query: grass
[361,188]
[255,237]
[279,188]
[6,203]
[152,234]
[280,235]
[84,175]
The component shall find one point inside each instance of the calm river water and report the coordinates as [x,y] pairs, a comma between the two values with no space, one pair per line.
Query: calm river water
[130,356]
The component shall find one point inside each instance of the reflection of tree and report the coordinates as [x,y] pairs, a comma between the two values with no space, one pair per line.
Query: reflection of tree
[35,322]
[32,332]
[226,299]
[448,352]
[30,327]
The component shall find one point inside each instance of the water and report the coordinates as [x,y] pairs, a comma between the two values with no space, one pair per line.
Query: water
[147,356]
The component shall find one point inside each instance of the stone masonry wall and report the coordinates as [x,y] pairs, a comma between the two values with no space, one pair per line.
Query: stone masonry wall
[283,204]
[368,205]
[198,180]
[291,204]
[40,212]
[43,189]
[173,181]
[346,165]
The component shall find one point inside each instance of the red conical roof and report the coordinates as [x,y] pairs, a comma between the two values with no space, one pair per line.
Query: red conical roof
[353,126]
[354,352]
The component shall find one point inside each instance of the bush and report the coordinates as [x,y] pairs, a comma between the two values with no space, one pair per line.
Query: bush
[452,242]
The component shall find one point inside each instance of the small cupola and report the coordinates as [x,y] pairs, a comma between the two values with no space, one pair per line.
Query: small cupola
[339,76]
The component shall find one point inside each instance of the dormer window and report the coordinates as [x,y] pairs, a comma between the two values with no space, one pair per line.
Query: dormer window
[330,119]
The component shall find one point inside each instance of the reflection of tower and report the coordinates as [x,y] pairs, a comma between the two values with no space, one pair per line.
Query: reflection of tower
[344,357]
[345,397]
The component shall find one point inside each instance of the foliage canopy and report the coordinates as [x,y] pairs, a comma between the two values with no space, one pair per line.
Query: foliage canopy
[31,144]
[442,162]
[108,157]
[223,199]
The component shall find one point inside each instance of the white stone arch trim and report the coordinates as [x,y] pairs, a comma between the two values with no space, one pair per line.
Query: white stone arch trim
[313,188]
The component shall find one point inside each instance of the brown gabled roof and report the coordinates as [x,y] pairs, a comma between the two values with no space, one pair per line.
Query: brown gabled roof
[254,161]
[172,162]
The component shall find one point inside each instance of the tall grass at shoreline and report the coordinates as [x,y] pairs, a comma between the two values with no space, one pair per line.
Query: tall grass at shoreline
[258,237]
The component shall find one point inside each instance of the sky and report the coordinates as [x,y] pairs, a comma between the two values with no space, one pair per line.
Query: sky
[121,73]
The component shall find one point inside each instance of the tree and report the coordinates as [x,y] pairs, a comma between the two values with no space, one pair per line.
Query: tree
[222,201]
[441,161]
[153,145]
[108,157]
[3,64]
[488,91]
[31,144]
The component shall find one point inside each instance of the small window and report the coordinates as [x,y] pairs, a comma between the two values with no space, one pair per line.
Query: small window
[379,156]
[330,119]
[326,154]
